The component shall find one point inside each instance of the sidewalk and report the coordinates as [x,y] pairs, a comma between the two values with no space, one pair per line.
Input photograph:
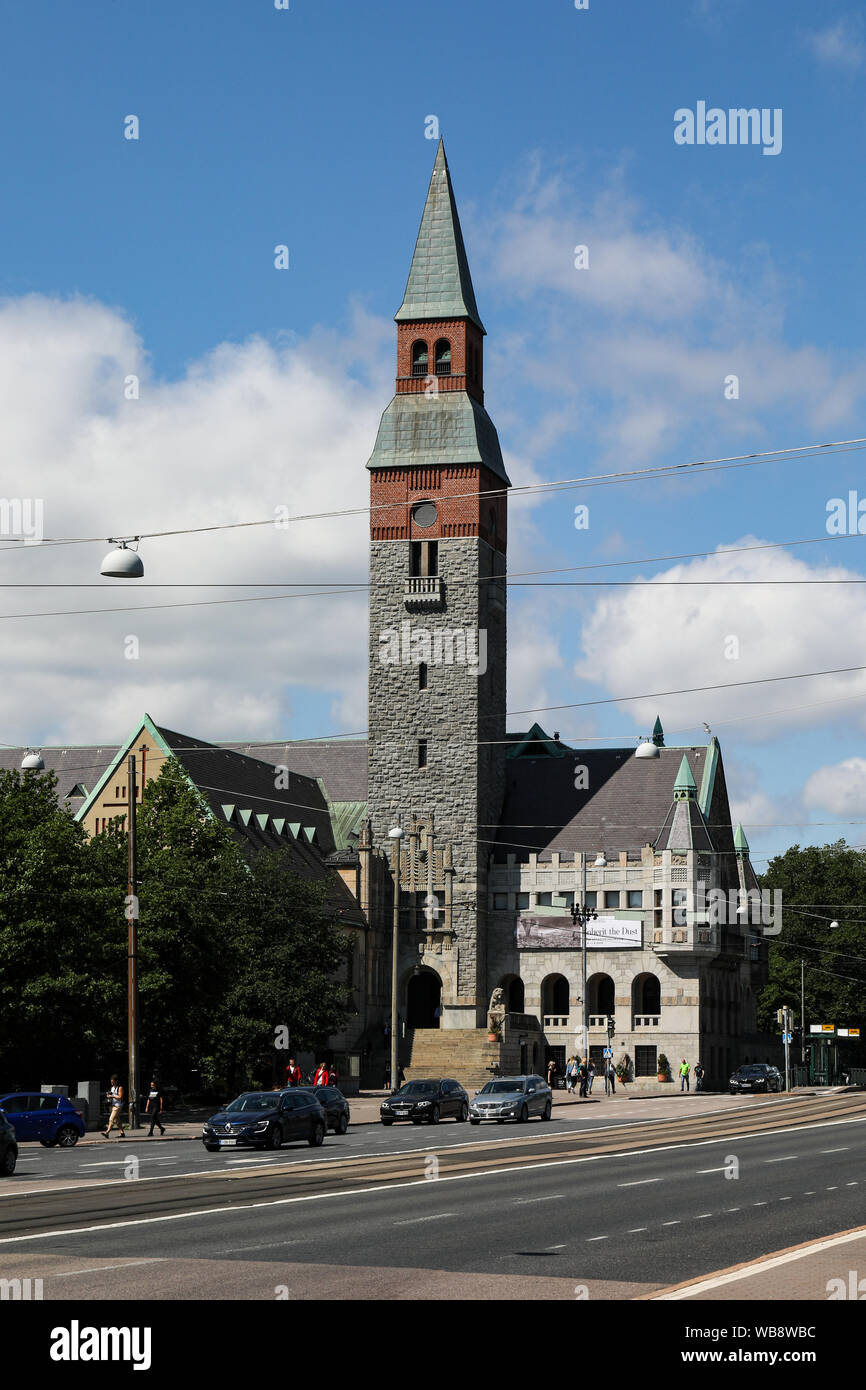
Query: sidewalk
[365,1111]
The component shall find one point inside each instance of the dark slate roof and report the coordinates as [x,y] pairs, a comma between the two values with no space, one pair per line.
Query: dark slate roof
[341,765]
[684,828]
[624,806]
[77,763]
[226,777]
[449,427]
[439,285]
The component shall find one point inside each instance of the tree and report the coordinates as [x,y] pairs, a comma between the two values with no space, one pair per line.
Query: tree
[818,885]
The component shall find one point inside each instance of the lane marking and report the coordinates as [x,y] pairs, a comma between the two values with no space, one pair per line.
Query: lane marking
[704,1214]
[378,1187]
[590,1239]
[94,1269]
[528,1201]
[831,1189]
[835,1151]
[786,1199]
[641,1182]
[635,1230]
[701,1171]
[440,1216]
[787,1159]
[672,1223]
[759,1267]
[760,1204]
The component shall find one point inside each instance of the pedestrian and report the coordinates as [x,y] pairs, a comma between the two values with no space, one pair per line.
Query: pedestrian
[332,1075]
[590,1076]
[685,1084]
[293,1073]
[551,1072]
[155,1109]
[401,1075]
[699,1077]
[583,1078]
[570,1069]
[115,1101]
[321,1076]
[609,1077]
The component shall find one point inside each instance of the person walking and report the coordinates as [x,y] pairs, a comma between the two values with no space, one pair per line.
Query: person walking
[699,1077]
[583,1077]
[115,1100]
[551,1073]
[155,1109]
[590,1076]
[293,1073]
[685,1084]
[570,1073]
[321,1075]
[609,1077]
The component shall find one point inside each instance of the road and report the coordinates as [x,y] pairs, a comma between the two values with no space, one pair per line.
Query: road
[600,1207]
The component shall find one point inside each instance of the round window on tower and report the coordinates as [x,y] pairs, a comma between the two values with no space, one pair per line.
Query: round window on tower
[425,514]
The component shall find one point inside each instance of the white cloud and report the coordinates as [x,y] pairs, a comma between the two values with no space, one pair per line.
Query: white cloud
[660,638]
[250,427]
[840,788]
[840,45]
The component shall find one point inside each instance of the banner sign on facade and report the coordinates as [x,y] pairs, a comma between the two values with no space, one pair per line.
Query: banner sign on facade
[551,933]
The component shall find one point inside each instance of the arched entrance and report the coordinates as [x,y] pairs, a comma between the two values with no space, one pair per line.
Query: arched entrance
[514,993]
[423,994]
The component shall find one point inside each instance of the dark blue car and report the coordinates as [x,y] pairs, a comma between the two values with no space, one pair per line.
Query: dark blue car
[51,1119]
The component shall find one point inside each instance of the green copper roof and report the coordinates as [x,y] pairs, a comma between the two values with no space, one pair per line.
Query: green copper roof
[685,781]
[536,744]
[658,733]
[448,428]
[741,844]
[439,284]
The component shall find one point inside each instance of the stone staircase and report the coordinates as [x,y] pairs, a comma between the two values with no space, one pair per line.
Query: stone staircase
[464,1054]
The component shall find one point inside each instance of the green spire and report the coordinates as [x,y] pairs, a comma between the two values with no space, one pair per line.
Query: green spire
[741,844]
[439,284]
[658,734]
[685,785]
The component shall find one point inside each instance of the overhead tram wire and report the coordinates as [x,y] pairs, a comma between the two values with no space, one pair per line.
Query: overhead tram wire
[793,454]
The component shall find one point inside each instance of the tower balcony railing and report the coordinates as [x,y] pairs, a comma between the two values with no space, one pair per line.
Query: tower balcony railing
[556,1020]
[646,1020]
[422,589]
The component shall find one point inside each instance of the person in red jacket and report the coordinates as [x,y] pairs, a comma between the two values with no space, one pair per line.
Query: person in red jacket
[321,1076]
[293,1073]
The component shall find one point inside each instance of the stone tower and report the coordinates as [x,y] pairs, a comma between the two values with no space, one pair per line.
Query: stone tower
[438,490]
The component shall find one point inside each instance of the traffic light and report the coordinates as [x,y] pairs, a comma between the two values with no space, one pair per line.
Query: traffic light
[780,1016]
[611,1028]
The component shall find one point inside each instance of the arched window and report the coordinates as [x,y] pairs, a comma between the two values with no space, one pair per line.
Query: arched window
[420,359]
[443,357]
[646,996]
[514,993]
[554,996]
[600,992]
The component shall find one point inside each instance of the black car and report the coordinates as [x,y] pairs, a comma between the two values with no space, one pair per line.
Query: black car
[266,1120]
[755,1076]
[429,1101]
[334,1104]
[8,1147]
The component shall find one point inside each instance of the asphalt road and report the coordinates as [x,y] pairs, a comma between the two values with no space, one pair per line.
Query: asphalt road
[618,1210]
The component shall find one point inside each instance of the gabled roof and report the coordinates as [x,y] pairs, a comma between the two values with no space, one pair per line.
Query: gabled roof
[439,284]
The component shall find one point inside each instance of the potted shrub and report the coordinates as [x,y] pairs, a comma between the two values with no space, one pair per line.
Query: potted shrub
[664,1072]
[494,1028]
[622,1069]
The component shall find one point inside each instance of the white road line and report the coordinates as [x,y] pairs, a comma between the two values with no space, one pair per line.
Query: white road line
[528,1201]
[556,1247]
[760,1267]
[701,1171]
[704,1214]
[730,1209]
[590,1239]
[672,1223]
[760,1204]
[835,1151]
[810,1194]
[786,1199]
[642,1182]
[787,1159]
[440,1216]
[107,1163]
[852,1184]
[94,1269]
[378,1187]
[831,1189]
[635,1230]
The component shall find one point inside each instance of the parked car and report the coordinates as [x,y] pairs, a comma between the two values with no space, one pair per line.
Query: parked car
[755,1076]
[266,1120]
[52,1119]
[8,1148]
[512,1098]
[426,1101]
[334,1104]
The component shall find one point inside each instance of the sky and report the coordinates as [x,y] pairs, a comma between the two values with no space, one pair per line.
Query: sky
[260,389]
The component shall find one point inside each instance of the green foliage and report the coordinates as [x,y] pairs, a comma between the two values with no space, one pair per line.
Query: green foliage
[228,950]
[830,883]
[664,1066]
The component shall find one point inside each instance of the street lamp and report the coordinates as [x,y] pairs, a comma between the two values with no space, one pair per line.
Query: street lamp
[32,762]
[581,916]
[395,834]
[123,563]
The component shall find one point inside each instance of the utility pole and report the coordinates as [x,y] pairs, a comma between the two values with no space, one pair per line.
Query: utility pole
[132,949]
[395,835]
[582,916]
[803,1010]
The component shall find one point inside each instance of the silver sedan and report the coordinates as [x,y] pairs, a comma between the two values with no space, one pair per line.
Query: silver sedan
[511,1098]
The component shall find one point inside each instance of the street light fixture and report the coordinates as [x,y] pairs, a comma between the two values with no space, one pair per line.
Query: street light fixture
[395,834]
[582,915]
[123,563]
[32,762]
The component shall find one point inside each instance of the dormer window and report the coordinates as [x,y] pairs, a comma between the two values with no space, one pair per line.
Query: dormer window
[420,359]
[443,357]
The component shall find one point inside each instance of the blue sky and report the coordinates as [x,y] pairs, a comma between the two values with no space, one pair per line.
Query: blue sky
[307,127]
